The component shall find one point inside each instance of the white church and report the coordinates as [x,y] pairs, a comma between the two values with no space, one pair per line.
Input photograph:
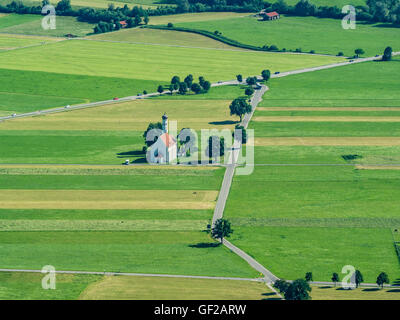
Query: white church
[164,150]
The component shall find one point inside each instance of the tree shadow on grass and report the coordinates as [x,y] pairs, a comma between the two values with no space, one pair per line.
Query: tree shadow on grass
[386,25]
[393,290]
[371,289]
[130,154]
[203,245]
[340,288]
[268,294]
[325,287]
[225,122]
[139,160]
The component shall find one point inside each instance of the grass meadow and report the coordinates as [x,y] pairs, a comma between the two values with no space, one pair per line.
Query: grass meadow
[109,214]
[325,36]
[32,25]
[148,62]
[143,288]
[74,72]
[114,222]
[109,134]
[163,37]
[28,286]
[323,193]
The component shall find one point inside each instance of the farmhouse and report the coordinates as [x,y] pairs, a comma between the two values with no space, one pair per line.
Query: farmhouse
[123,24]
[164,150]
[269,15]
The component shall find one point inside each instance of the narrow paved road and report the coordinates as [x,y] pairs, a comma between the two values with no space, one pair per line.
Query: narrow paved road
[220,83]
[136,274]
[228,177]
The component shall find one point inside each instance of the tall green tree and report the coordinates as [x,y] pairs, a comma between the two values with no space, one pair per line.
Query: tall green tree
[182,88]
[298,290]
[221,229]
[137,20]
[189,80]
[309,277]
[175,79]
[359,52]
[239,78]
[266,74]
[157,127]
[195,88]
[282,285]
[160,89]
[206,86]
[240,107]
[251,80]
[382,279]
[358,278]
[249,91]
[335,278]
[387,54]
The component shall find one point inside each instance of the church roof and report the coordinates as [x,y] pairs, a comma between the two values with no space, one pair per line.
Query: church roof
[168,139]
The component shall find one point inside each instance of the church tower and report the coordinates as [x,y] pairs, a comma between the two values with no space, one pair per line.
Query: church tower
[165,123]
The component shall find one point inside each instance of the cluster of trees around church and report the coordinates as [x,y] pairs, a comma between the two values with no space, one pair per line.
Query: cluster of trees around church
[374,10]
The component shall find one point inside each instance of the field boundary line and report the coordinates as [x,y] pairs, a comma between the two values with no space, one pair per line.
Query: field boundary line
[219,83]
[132,274]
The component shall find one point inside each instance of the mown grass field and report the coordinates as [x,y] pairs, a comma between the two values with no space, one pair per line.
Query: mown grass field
[32,25]
[108,214]
[194,17]
[323,193]
[74,71]
[109,134]
[329,293]
[123,234]
[144,288]
[139,61]
[163,37]
[28,286]
[35,90]
[131,116]
[326,35]
[8,42]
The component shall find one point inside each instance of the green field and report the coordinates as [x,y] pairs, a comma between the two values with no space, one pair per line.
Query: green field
[194,17]
[329,293]
[143,62]
[32,25]
[74,71]
[108,134]
[108,214]
[28,286]
[324,201]
[136,239]
[163,37]
[144,288]
[325,35]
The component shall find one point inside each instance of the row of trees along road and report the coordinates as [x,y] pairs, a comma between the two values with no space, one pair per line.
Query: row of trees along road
[300,288]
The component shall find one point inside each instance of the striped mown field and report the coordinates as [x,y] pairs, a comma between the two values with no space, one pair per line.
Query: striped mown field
[325,187]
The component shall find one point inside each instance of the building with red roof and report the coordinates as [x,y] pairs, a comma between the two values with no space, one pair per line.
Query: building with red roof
[269,15]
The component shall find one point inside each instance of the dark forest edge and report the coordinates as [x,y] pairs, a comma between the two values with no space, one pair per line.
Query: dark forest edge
[372,11]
